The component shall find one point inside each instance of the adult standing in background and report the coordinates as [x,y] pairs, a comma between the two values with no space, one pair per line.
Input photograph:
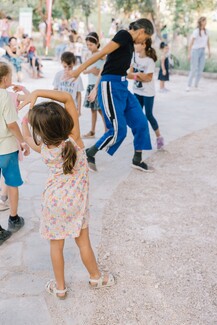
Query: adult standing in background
[196,52]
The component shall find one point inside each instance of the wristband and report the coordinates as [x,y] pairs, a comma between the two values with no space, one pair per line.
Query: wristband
[135,76]
[25,120]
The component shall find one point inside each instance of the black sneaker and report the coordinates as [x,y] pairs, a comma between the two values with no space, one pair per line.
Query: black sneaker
[14,226]
[91,162]
[141,166]
[4,235]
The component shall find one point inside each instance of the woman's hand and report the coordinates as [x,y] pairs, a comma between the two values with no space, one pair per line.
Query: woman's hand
[164,72]
[92,95]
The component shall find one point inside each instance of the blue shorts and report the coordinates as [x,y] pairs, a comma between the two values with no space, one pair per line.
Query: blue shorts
[9,167]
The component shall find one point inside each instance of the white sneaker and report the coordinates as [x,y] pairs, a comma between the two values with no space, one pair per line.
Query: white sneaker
[3,205]
[188,89]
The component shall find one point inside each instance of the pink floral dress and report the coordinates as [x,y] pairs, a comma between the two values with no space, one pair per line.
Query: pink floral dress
[65,207]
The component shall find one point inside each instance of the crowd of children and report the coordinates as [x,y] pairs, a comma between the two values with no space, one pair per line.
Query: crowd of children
[55,134]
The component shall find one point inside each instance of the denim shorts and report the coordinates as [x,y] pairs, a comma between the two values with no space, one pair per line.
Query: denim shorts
[9,167]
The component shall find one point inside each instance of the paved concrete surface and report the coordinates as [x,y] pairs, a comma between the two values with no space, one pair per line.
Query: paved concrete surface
[24,258]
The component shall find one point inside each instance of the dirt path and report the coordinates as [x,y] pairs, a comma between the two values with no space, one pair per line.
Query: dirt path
[159,237]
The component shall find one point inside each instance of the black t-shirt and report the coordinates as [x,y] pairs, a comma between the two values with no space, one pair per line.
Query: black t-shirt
[118,62]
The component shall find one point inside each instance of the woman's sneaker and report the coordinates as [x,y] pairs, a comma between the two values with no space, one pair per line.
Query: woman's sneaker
[4,235]
[141,166]
[91,162]
[160,143]
[15,225]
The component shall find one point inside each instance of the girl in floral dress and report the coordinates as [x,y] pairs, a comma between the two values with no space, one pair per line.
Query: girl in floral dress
[65,209]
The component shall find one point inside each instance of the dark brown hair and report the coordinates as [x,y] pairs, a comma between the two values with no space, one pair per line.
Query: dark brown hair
[149,50]
[143,23]
[4,70]
[68,58]
[53,124]
[93,38]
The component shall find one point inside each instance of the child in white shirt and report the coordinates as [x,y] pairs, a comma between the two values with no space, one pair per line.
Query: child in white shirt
[74,87]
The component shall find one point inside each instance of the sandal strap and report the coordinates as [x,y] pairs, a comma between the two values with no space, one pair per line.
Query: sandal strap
[59,291]
[101,281]
[54,289]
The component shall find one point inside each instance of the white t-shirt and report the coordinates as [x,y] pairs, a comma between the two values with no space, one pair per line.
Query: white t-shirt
[145,65]
[8,114]
[91,77]
[72,87]
[199,41]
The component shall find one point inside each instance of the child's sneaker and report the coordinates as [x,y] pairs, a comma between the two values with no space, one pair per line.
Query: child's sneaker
[3,205]
[141,166]
[160,143]
[4,235]
[15,225]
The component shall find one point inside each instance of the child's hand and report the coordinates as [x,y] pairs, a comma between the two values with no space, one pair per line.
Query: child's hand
[25,148]
[92,95]
[95,71]
[17,88]
[164,72]
[70,75]
[29,98]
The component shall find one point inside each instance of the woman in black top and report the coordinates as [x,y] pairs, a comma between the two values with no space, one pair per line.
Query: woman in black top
[118,104]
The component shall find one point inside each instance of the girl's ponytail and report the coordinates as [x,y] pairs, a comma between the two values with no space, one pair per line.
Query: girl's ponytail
[69,157]
[149,50]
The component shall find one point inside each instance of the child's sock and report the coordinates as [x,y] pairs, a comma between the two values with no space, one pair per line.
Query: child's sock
[14,218]
[137,156]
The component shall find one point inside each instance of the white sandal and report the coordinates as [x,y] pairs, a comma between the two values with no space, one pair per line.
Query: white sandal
[101,282]
[50,287]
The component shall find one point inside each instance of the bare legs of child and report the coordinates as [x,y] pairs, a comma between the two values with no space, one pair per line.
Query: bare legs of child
[91,134]
[163,89]
[97,279]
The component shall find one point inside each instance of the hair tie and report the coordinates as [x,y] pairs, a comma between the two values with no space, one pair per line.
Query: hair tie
[67,140]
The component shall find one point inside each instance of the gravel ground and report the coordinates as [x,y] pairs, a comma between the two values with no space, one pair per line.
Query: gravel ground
[159,238]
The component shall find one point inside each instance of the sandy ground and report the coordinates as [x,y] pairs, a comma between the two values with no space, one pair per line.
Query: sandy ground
[159,237]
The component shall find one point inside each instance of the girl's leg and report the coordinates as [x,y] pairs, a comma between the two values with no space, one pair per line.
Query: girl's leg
[101,113]
[93,120]
[149,103]
[201,65]
[19,76]
[194,66]
[162,84]
[87,254]
[57,258]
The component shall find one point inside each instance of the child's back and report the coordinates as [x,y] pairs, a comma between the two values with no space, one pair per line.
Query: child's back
[66,195]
